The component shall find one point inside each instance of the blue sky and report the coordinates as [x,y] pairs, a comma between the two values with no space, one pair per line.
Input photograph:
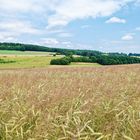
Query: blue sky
[104,25]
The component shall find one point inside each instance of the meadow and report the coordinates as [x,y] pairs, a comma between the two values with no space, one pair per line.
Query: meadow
[70,103]
[30,59]
[25,59]
[22,53]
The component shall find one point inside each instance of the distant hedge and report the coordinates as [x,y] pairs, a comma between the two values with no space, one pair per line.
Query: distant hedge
[101,59]
[134,54]
[61,61]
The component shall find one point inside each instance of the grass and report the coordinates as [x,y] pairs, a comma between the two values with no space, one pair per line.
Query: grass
[69,103]
[16,53]
[35,62]
[29,59]
[26,61]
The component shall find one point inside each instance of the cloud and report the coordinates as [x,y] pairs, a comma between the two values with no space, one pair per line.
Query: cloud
[49,41]
[11,30]
[18,27]
[16,30]
[7,37]
[128,37]
[22,6]
[69,10]
[116,20]
[62,12]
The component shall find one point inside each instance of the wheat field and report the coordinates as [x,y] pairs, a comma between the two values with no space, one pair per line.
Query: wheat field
[68,103]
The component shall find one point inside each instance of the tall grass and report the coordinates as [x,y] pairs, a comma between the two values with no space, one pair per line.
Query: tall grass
[70,103]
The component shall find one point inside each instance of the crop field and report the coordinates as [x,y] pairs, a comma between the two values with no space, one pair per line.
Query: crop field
[26,61]
[81,64]
[70,103]
[22,53]
[36,62]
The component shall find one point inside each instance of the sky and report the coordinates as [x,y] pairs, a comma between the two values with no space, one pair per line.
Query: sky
[102,25]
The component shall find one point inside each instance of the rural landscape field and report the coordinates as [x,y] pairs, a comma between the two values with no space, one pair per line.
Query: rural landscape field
[69,69]
[98,103]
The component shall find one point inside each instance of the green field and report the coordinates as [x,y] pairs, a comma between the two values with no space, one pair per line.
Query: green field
[9,52]
[26,61]
[35,62]
[30,59]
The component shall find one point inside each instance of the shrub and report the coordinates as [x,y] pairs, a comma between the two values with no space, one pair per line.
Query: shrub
[101,59]
[61,61]
[81,59]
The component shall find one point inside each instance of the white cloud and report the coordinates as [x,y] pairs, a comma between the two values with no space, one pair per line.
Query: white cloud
[69,10]
[116,20]
[128,37]
[11,30]
[7,37]
[18,27]
[49,41]
[61,12]
[22,6]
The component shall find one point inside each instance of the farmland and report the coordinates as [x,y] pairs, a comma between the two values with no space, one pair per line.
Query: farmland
[24,53]
[26,61]
[70,103]
[30,59]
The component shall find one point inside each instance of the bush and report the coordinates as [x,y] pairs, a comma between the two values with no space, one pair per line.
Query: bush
[81,59]
[61,61]
[101,59]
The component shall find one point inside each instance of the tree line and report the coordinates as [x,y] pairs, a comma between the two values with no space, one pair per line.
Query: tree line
[101,59]
[134,54]
[86,55]
[30,47]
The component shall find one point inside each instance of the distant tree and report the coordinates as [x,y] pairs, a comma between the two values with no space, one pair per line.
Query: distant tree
[61,61]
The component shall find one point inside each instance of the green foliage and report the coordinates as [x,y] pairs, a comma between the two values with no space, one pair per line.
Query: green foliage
[29,47]
[81,59]
[115,60]
[101,59]
[134,54]
[61,61]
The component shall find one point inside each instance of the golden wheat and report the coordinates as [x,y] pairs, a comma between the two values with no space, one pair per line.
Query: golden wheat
[70,103]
